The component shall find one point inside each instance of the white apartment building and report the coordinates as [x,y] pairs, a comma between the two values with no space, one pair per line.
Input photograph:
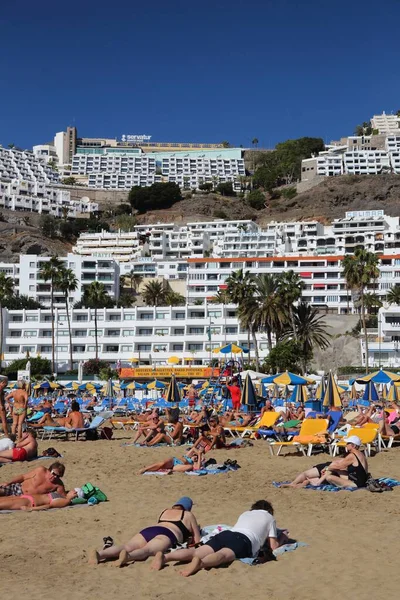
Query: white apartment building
[149,334]
[384,342]
[27,183]
[366,162]
[120,246]
[385,123]
[124,167]
[28,281]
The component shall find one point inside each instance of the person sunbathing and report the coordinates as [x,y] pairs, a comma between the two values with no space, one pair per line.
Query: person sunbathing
[392,428]
[253,529]
[150,429]
[212,436]
[364,417]
[351,471]
[25,449]
[173,434]
[177,465]
[37,481]
[30,502]
[175,525]
[268,407]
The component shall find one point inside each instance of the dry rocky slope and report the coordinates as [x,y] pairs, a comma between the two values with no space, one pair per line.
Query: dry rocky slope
[20,234]
[329,200]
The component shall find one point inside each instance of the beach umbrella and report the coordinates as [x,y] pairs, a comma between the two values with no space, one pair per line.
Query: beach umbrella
[109,391]
[161,403]
[353,391]
[231,349]
[384,391]
[249,397]
[173,360]
[393,395]
[370,393]
[173,394]
[380,376]
[287,378]
[156,385]
[133,385]
[299,394]
[332,396]
[320,391]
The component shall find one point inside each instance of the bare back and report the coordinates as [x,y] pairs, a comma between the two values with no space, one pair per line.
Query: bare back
[177,514]
[20,398]
[74,420]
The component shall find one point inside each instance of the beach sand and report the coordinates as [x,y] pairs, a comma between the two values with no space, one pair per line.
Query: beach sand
[353,538]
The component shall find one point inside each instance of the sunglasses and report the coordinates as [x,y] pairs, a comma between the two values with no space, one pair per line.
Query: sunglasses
[55,474]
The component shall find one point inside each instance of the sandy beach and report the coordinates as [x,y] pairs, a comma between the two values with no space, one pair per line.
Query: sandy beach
[353,538]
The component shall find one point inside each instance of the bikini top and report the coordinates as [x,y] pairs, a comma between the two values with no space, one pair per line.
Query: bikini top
[180,525]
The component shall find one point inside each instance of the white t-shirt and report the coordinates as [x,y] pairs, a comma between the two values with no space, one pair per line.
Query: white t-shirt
[6,444]
[257,525]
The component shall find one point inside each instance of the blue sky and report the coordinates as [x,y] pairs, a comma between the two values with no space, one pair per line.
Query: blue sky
[207,70]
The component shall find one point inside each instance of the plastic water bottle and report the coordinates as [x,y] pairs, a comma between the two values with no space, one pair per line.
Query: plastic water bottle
[92,501]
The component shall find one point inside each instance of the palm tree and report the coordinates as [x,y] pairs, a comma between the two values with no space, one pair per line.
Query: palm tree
[311,331]
[96,297]
[372,302]
[393,295]
[290,287]
[135,280]
[269,311]
[50,272]
[67,283]
[221,297]
[153,293]
[359,270]
[6,292]
[240,290]
[254,142]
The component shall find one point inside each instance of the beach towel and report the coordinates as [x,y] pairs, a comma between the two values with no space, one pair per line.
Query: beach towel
[327,487]
[4,512]
[33,459]
[212,470]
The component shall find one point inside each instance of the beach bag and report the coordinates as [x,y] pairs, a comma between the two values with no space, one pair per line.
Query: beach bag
[91,435]
[91,491]
[106,433]
[374,485]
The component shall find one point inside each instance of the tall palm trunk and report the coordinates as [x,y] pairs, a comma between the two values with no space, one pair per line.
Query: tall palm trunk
[95,333]
[249,344]
[269,340]
[364,324]
[293,323]
[253,333]
[71,361]
[348,299]
[52,327]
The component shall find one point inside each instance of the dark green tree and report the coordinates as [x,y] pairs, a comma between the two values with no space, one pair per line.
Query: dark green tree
[155,197]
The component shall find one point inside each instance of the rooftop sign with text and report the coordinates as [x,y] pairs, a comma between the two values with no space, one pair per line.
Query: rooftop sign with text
[136,139]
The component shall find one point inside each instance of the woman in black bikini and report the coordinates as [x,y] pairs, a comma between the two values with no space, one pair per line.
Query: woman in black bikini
[175,525]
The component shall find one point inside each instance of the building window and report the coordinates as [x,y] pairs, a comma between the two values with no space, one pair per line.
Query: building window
[129,317]
[128,332]
[111,349]
[13,349]
[126,348]
[195,347]
[177,347]
[144,347]
[30,333]
[159,331]
[31,318]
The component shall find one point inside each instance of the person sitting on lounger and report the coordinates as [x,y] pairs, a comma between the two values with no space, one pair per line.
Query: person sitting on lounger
[26,449]
[390,426]
[74,419]
[31,502]
[351,471]
[150,429]
[249,534]
[173,433]
[175,525]
[37,481]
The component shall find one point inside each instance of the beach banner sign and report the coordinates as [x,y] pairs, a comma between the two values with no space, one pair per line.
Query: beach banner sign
[156,372]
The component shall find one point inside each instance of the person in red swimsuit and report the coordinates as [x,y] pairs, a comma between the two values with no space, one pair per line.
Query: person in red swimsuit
[24,450]
[236,394]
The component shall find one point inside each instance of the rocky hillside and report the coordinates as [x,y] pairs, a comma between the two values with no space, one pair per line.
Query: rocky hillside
[20,234]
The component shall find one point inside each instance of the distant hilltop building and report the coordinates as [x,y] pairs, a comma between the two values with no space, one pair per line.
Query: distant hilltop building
[371,154]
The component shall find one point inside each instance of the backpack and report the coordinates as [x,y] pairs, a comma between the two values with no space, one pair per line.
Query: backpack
[91,435]
[106,433]
[91,491]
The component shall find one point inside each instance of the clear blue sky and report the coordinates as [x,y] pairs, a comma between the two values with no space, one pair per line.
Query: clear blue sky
[209,70]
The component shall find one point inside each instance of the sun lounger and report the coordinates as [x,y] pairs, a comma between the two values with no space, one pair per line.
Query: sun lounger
[50,431]
[368,435]
[265,422]
[312,431]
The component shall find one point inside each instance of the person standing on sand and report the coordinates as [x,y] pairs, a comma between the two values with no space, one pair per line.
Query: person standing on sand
[175,525]
[249,534]
[20,405]
[37,481]
[3,415]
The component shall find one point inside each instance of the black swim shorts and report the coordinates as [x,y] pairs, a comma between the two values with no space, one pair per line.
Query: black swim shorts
[321,467]
[237,542]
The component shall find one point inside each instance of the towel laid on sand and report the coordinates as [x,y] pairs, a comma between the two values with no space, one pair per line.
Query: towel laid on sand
[211,470]
[327,487]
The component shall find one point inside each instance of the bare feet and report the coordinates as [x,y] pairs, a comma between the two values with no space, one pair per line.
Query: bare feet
[142,471]
[93,557]
[123,559]
[158,562]
[192,568]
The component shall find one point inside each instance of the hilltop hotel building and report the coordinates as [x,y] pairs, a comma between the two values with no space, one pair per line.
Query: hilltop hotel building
[199,257]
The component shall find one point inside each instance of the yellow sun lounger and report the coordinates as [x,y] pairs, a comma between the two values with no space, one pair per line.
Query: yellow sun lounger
[368,435]
[312,431]
[268,420]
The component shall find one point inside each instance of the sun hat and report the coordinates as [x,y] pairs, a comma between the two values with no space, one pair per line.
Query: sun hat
[185,502]
[353,439]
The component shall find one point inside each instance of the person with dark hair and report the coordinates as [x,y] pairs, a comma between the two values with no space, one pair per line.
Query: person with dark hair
[173,433]
[37,481]
[175,525]
[74,420]
[249,534]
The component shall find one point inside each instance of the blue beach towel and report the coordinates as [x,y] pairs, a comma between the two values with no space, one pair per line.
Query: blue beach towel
[327,487]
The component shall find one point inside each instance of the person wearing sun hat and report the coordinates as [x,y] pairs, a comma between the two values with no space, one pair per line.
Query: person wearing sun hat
[176,525]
